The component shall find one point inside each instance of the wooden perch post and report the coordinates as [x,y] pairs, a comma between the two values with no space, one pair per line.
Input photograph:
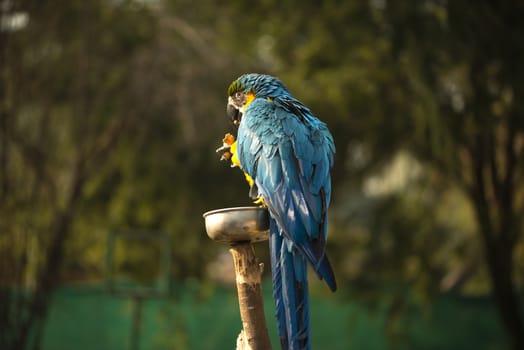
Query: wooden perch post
[239,227]
[249,280]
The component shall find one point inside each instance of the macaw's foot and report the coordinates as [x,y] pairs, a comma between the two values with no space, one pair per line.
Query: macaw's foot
[260,202]
[227,142]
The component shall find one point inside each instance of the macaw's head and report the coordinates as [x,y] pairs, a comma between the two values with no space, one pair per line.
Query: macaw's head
[246,88]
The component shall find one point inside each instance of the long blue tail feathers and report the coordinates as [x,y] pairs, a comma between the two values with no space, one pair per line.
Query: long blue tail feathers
[325,272]
[290,291]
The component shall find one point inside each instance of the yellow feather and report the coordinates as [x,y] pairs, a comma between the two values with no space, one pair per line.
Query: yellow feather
[234,157]
[249,98]
[236,162]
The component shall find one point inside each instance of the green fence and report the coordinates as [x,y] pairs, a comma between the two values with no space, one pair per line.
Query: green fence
[202,317]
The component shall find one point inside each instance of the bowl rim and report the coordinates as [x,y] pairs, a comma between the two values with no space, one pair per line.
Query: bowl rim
[232,209]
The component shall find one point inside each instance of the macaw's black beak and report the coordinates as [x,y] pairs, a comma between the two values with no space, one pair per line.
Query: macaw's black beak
[234,115]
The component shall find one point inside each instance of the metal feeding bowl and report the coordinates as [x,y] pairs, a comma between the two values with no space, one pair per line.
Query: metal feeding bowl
[240,224]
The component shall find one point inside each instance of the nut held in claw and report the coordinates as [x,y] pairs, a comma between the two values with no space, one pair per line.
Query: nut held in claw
[240,224]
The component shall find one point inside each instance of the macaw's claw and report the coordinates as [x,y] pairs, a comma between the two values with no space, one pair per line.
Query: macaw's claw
[260,202]
[227,142]
[226,153]
[224,148]
[226,156]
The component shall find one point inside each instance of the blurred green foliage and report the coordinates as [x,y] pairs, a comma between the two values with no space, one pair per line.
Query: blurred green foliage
[110,112]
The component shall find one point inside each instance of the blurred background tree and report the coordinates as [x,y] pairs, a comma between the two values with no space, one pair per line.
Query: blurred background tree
[111,111]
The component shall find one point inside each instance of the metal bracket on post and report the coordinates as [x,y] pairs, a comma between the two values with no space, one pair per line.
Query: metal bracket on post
[240,227]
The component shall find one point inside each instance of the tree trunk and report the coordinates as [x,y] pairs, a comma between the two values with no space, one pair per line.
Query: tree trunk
[28,334]
[499,260]
[498,250]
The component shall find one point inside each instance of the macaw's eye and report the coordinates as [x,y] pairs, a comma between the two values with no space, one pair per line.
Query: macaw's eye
[239,97]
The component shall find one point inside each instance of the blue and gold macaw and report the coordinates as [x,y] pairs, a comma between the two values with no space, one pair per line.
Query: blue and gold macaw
[287,154]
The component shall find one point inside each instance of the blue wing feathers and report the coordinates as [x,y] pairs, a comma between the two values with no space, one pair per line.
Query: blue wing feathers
[291,166]
[275,177]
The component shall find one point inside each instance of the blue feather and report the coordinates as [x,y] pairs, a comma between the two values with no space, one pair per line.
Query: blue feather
[275,245]
[289,153]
